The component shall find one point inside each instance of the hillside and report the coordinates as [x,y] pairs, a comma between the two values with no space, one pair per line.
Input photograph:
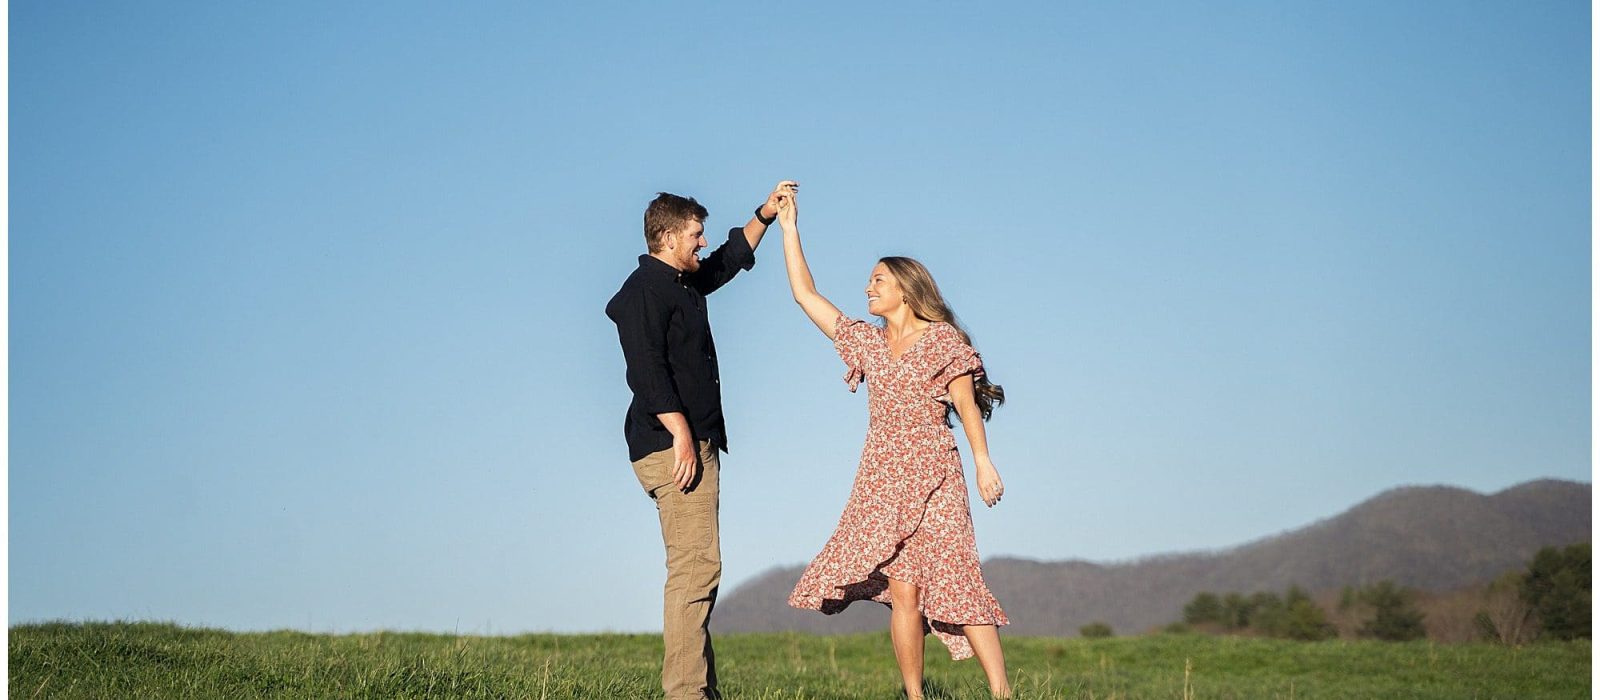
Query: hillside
[1430,537]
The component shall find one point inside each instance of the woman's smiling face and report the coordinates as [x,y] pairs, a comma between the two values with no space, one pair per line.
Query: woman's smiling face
[884,294]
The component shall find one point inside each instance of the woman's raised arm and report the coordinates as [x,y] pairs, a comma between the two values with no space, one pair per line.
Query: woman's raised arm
[817,307]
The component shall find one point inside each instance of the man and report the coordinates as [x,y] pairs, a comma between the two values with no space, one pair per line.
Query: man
[674,425]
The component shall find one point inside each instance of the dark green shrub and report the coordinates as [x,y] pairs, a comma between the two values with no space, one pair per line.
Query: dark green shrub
[1395,616]
[1205,608]
[1558,590]
[1095,630]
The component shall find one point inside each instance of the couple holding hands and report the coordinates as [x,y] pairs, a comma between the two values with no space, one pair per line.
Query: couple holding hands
[905,538]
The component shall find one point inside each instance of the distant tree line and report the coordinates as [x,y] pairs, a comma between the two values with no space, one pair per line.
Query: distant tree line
[1290,616]
[1549,600]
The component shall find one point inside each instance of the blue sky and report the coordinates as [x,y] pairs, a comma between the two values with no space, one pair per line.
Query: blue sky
[306,300]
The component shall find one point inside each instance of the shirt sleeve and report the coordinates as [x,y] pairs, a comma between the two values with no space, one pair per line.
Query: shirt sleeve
[642,327]
[723,263]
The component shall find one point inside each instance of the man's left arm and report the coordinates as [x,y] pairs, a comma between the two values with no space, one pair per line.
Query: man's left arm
[739,252]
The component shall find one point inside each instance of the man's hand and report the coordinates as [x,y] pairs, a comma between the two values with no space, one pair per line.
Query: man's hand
[782,191]
[685,461]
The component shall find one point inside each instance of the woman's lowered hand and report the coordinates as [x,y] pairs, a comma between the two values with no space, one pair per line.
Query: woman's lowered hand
[990,488]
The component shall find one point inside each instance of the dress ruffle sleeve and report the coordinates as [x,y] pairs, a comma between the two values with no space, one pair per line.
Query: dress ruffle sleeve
[850,339]
[957,358]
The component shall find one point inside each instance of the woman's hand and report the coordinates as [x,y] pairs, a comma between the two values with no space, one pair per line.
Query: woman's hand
[789,212]
[990,488]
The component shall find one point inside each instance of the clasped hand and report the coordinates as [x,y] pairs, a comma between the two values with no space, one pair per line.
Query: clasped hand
[782,195]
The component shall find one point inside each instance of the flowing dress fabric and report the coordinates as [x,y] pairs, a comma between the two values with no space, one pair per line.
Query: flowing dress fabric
[907,517]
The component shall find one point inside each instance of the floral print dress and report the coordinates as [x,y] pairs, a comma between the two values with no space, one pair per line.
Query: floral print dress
[907,518]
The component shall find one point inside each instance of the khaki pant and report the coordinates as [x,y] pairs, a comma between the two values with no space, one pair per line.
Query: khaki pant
[694,569]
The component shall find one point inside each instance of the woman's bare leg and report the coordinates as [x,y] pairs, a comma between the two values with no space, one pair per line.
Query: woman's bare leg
[905,631]
[985,640]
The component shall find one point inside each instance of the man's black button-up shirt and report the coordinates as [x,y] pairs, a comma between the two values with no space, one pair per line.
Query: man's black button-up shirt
[666,340]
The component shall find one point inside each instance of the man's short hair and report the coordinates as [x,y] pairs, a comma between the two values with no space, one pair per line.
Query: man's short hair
[667,213]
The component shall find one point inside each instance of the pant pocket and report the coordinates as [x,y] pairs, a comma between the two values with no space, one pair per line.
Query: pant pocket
[654,471]
[694,557]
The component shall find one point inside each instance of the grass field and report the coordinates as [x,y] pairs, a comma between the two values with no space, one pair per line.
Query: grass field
[147,660]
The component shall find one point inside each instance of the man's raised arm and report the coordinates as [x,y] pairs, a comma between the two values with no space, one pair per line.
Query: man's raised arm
[736,254]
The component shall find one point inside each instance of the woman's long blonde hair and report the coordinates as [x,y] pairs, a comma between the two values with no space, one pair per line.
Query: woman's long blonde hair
[922,295]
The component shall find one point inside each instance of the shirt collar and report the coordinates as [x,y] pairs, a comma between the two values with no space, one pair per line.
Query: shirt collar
[652,264]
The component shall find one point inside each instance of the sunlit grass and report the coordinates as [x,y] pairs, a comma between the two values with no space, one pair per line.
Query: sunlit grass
[140,660]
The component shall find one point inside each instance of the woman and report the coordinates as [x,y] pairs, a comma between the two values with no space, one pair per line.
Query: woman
[905,538]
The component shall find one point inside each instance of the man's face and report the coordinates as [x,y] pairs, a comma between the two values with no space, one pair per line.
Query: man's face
[683,246]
